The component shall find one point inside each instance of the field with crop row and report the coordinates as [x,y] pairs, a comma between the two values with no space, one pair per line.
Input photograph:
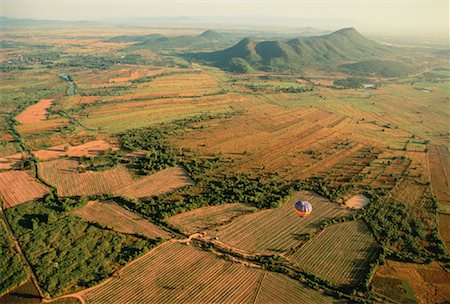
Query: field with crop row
[439,162]
[295,143]
[112,215]
[278,230]
[340,254]
[64,175]
[164,181]
[178,273]
[207,217]
[18,187]
[124,116]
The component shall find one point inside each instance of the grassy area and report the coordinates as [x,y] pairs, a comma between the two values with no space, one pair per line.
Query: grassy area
[396,289]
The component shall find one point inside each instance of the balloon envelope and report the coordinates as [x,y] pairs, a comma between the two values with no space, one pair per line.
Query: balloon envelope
[303,208]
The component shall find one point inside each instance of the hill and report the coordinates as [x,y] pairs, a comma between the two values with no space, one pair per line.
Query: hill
[211,35]
[295,54]
[377,67]
[209,39]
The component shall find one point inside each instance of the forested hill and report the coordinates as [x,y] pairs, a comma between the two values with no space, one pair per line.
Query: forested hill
[293,55]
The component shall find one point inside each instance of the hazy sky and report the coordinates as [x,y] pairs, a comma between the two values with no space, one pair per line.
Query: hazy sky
[412,15]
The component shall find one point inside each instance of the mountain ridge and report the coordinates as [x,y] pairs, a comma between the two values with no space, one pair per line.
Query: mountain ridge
[346,44]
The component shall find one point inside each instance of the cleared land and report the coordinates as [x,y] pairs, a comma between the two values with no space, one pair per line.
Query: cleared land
[35,113]
[178,273]
[358,201]
[18,187]
[11,161]
[112,215]
[42,125]
[89,149]
[340,254]
[278,230]
[207,217]
[164,181]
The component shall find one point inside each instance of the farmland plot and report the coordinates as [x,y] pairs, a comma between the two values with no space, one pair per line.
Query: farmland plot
[439,161]
[35,113]
[89,149]
[112,215]
[277,288]
[204,218]
[18,187]
[176,273]
[340,254]
[295,143]
[164,181]
[11,161]
[43,125]
[64,175]
[278,230]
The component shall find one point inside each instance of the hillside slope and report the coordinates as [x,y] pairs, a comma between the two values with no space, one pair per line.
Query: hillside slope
[293,55]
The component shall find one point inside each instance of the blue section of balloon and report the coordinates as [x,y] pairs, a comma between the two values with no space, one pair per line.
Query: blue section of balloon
[303,206]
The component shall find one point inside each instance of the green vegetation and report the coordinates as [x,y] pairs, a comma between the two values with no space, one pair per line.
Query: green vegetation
[159,43]
[238,65]
[395,289]
[101,62]
[11,267]
[284,88]
[66,252]
[379,68]
[296,54]
[103,161]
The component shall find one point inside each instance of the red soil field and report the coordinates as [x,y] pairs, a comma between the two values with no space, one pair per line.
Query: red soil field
[18,187]
[164,181]
[112,215]
[91,148]
[40,126]
[10,161]
[35,113]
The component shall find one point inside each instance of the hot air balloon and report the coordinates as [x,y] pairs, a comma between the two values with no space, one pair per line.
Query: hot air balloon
[303,208]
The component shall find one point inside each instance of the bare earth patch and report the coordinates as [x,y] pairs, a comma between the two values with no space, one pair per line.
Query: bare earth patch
[18,187]
[358,201]
[91,148]
[112,215]
[10,161]
[35,113]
